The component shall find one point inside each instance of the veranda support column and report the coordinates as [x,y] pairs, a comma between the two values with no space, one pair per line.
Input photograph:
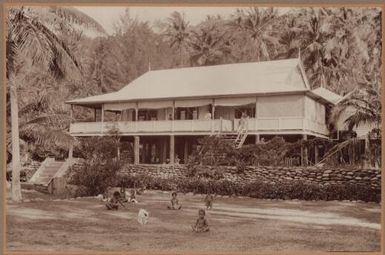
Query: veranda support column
[118,150]
[71,112]
[185,151]
[70,152]
[164,150]
[315,154]
[172,149]
[95,114]
[257,139]
[304,154]
[102,119]
[136,150]
[136,112]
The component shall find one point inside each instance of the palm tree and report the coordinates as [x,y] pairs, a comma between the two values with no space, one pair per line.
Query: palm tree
[26,31]
[177,32]
[362,106]
[209,43]
[335,44]
[257,24]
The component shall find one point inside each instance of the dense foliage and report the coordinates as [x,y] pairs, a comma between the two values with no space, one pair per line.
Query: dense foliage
[99,168]
[340,48]
[262,190]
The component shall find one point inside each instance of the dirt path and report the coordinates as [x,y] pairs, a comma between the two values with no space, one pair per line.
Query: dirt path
[237,224]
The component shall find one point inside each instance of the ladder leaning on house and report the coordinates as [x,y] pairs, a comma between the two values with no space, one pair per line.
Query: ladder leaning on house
[242,134]
[239,138]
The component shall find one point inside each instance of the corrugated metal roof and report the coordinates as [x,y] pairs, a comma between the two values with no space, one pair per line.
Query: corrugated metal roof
[269,77]
[221,80]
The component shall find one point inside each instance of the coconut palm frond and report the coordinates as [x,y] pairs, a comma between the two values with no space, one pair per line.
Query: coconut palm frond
[49,50]
[44,134]
[56,120]
[72,15]
[362,106]
[358,118]
[38,105]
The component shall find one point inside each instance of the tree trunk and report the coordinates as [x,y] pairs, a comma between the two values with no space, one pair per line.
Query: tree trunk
[16,187]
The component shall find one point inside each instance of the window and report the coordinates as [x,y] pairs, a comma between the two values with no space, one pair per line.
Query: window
[147,115]
[187,113]
[250,111]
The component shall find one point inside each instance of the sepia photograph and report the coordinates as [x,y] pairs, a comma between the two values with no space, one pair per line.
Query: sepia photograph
[192,128]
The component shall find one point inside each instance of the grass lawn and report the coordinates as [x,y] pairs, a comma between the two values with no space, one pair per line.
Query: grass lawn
[236,224]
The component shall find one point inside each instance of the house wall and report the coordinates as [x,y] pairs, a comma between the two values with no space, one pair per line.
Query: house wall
[280,106]
[314,111]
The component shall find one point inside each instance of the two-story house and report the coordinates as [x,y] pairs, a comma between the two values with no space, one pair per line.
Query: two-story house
[162,113]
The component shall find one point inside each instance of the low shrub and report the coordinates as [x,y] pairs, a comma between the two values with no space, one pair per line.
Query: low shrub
[96,178]
[262,190]
[100,164]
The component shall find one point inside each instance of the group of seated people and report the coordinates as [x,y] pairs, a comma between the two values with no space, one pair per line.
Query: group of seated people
[120,197]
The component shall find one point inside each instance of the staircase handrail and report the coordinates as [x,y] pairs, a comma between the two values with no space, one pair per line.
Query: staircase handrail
[42,167]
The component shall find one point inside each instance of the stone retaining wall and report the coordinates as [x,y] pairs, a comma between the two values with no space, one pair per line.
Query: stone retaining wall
[273,175]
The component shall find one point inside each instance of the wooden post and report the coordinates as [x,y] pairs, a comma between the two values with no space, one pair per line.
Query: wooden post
[71,113]
[256,114]
[304,154]
[118,150]
[95,114]
[173,115]
[136,112]
[172,149]
[257,139]
[164,150]
[316,154]
[185,151]
[136,150]
[213,110]
[70,152]
[367,151]
[102,119]
[173,110]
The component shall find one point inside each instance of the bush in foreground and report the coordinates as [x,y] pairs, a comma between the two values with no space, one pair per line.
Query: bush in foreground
[262,190]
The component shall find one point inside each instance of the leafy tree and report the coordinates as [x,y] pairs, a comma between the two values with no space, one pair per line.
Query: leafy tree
[209,44]
[177,33]
[335,45]
[362,106]
[25,32]
[257,24]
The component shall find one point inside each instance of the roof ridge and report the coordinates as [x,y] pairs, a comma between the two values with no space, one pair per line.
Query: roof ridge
[219,65]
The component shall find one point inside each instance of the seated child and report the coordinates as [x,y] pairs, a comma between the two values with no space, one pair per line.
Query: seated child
[201,224]
[209,201]
[113,203]
[133,197]
[123,196]
[141,190]
[174,202]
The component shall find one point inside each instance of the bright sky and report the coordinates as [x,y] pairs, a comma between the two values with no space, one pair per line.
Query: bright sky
[107,16]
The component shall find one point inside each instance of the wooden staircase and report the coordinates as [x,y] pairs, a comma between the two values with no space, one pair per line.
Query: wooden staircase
[237,139]
[48,170]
